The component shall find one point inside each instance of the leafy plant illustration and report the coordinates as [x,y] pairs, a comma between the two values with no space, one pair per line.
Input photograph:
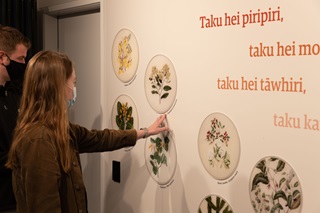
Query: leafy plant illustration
[218,156]
[159,81]
[220,206]
[158,158]
[124,54]
[273,189]
[124,117]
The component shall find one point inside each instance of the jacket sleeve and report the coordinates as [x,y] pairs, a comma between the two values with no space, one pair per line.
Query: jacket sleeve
[41,174]
[102,140]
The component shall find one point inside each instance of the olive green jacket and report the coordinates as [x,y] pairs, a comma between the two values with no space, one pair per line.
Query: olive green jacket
[40,184]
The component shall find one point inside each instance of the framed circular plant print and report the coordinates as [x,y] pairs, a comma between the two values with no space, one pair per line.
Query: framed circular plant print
[161,156]
[219,146]
[124,114]
[160,84]
[275,187]
[125,55]
[214,203]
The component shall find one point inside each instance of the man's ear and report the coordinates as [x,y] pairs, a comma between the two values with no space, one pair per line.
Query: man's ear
[2,54]
[4,58]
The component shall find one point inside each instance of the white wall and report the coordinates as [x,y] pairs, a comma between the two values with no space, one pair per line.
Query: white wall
[201,56]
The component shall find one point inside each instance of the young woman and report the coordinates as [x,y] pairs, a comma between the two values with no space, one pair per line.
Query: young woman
[44,156]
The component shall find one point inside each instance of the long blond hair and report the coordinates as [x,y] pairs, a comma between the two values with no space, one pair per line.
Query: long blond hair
[43,103]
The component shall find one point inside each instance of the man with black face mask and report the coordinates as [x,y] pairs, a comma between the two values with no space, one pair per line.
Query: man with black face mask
[13,51]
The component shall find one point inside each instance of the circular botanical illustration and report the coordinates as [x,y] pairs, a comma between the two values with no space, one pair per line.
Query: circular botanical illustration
[275,187]
[219,146]
[160,84]
[214,203]
[125,55]
[161,156]
[124,114]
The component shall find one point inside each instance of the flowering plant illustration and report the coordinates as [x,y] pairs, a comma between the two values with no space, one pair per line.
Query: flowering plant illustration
[219,155]
[273,188]
[124,54]
[219,206]
[124,117]
[158,147]
[159,81]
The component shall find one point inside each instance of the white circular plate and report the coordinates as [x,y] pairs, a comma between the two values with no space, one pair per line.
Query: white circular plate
[125,55]
[124,114]
[160,84]
[161,156]
[214,203]
[275,187]
[219,146]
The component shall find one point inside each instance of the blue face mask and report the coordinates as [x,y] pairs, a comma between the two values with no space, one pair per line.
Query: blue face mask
[73,100]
